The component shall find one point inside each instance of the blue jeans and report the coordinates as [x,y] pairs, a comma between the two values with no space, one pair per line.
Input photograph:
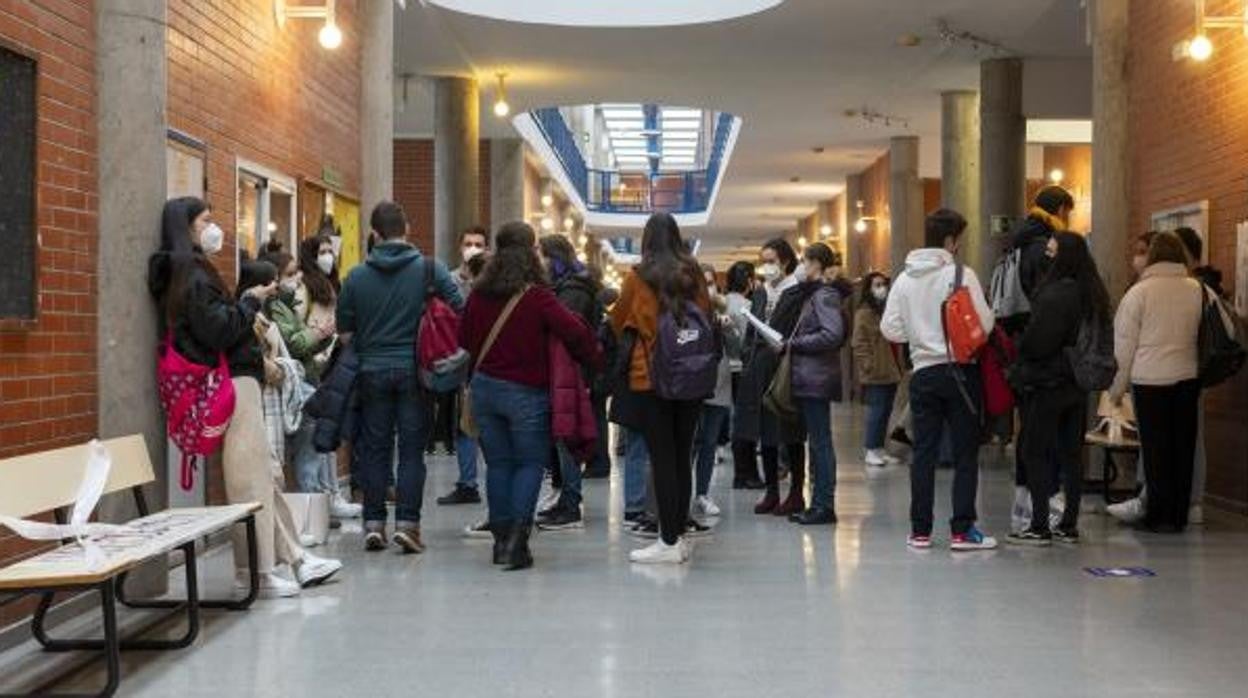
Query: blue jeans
[879,399]
[314,472]
[817,416]
[710,426]
[570,469]
[636,462]
[466,453]
[514,420]
[390,404]
[937,407]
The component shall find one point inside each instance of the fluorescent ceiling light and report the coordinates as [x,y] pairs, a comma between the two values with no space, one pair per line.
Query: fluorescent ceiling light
[681,125]
[681,135]
[682,113]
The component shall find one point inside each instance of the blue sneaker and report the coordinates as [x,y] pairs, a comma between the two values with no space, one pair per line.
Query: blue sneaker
[973,539]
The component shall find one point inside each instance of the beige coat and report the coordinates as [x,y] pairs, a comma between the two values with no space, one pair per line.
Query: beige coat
[1155,329]
[873,355]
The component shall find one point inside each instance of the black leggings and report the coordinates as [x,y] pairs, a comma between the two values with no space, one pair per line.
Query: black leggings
[668,429]
[797,467]
[1054,421]
[744,461]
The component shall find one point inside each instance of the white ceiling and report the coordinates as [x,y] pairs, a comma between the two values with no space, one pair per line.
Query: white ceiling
[790,73]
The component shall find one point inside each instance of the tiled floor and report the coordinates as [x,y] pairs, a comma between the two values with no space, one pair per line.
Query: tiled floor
[765,609]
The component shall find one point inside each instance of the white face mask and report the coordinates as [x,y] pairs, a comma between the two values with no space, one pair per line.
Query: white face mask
[290,285]
[325,263]
[211,239]
[467,252]
[880,292]
[769,271]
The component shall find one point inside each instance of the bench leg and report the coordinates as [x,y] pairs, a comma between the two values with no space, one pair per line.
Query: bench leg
[192,617]
[110,645]
[191,583]
[253,587]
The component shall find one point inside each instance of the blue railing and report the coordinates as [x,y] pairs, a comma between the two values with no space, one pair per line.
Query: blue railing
[609,191]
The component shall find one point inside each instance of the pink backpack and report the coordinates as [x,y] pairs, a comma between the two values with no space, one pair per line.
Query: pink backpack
[198,402]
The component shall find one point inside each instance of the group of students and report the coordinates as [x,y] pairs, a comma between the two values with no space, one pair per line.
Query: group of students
[553,356]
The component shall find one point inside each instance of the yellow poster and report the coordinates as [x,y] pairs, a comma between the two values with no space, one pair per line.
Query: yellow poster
[347,217]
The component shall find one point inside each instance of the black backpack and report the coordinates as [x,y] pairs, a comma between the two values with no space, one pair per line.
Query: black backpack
[1091,359]
[1220,353]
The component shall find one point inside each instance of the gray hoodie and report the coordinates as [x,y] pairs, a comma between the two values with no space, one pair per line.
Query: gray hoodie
[913,313]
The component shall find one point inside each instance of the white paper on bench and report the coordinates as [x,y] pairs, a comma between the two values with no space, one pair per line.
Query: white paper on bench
[79,527]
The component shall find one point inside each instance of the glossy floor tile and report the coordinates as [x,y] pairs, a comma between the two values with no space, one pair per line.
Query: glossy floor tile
[764,609]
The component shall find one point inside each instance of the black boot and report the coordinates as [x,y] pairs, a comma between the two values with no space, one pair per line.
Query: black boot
[500,529]
[517,555]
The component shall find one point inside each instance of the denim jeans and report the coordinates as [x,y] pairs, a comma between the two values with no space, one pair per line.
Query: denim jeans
[391,403]
[710,426]
[937,404]
[817,415]
[466,454]
[514,420]
[636,463]
[879,399]
[570,469]
[314,472]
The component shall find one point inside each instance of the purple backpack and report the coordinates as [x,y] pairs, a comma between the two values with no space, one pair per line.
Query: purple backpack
[685,362]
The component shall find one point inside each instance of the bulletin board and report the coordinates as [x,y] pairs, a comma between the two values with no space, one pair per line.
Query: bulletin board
[347,217]
[18,237]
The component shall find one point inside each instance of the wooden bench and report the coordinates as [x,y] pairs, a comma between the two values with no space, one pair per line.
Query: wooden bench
[1109,469]
[49,481]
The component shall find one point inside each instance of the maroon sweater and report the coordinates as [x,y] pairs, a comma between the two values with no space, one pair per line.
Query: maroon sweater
[519,353]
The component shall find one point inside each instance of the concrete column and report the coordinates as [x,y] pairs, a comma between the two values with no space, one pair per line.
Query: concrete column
[376,112]
[1111,148]
[1002,152]
[506,181]
[456,130]
[854,260]
[905,199]
[959,167]
[130,128]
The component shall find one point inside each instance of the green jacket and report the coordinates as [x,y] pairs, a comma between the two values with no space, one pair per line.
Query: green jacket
[301,341]
[382,301]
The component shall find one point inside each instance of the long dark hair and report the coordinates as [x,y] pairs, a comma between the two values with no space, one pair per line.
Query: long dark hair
[322,289]
[560,255]
[784,253]
[1074,261]
[514,264]
[865,296]
[258,273]
[666,264]
[169,268]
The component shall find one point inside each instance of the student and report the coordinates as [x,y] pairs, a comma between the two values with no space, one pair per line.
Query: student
[941,392]
[1055,417]
[815,341]
[380,307]
[578,292]
[668,279]
[511,401]
[717,409]
[1155,333]
[204,321]
[879,368]
[474,246]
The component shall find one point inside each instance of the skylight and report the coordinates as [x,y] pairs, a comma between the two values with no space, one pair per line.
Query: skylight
[678,137]
[637,13]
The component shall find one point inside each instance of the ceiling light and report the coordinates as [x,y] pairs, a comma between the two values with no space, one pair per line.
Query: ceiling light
[861,225]
[548,223]
[501,107]
[1200,48]
[826,230]
[801,241]
[670,113]
[330,35]
[1056,175]
[547,200]
[568,223]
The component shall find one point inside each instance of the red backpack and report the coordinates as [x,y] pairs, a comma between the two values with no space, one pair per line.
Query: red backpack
[994,361]
[964,333]
[441,363]
[198,401]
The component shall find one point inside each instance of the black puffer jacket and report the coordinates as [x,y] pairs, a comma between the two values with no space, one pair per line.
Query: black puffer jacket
[211,321]
[1056,314]
[333,404]
[579,294]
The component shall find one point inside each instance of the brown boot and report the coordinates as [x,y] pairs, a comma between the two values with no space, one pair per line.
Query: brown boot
[767,504]
[793,504]
[407,537]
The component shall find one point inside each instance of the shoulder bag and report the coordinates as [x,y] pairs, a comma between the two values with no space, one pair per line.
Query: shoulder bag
[467,423]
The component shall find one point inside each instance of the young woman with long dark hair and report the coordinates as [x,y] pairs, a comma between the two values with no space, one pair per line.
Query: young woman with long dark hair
[204,321]
[667,280]
[1069,296]
[511,401]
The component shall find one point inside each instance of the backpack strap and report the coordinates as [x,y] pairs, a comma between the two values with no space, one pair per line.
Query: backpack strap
[430,270]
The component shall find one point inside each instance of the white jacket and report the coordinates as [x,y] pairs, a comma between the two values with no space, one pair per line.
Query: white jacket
[912,315]
[1156,327]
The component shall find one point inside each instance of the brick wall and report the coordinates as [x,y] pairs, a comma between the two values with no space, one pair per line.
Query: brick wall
[47,365]
[413,186]
[272,97]
[1189,142]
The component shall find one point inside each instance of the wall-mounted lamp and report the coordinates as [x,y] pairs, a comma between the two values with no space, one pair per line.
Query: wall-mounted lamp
[547,200]
[1200,48]
[548,223]
[861,224]
[802,241]
[1056,175]
[330,35]
[826,230]
[501,107]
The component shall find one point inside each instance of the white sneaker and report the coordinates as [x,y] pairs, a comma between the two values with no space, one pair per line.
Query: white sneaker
[874,459]
[705,506]
[313,571]
[1196,515]
[660,553]
[308,540]
[550,500]
[889,459]
[272,586]
[340,508]
[721,455]
[1128,512]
